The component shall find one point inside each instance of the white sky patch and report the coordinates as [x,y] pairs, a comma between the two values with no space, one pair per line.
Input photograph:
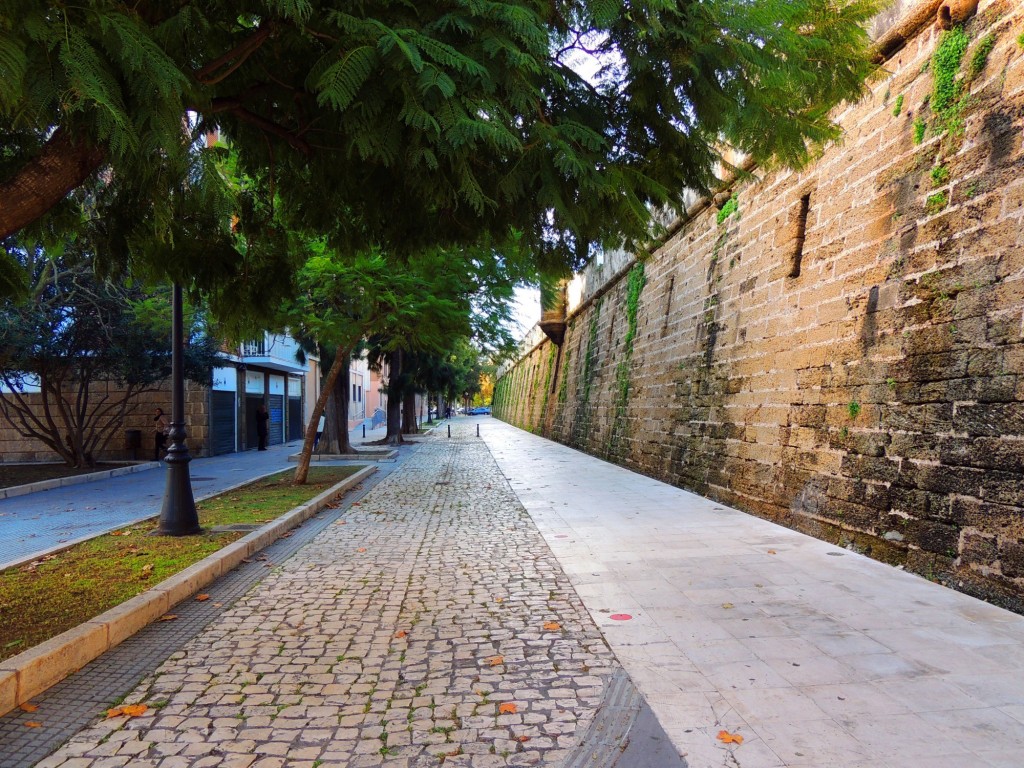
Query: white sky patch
[526,309]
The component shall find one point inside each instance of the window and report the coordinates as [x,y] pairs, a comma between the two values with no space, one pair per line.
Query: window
[800,232]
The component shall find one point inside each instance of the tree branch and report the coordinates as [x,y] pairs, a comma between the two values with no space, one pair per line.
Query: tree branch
[234,58]
[64,163]
[235,108]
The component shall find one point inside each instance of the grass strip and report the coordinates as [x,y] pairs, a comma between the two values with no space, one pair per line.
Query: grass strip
[49,596]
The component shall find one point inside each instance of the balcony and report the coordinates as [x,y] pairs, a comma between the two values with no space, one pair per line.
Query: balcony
[274,351]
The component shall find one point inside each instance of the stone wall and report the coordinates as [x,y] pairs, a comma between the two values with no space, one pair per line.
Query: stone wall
[15,448]
[871,392]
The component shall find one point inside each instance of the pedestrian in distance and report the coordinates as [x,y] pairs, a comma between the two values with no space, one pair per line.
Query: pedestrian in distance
[262,418]
[161,429]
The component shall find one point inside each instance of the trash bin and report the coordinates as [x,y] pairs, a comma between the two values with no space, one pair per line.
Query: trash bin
[132,442]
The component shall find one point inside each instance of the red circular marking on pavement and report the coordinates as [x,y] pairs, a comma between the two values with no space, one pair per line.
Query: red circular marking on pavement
[620,617]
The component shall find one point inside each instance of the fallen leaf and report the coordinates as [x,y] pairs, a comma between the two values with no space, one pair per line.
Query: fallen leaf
[134,710]
[355,503]
[499,599]
[496,660]
[288,535]
[361,549]
[771,552]
[167,617]
[729,738]
[26,707]
[400,633]
[552,625]
[202,598]
[508,708]
[523,739]
[33,724]
[218,605]
[728,605]
[147,569]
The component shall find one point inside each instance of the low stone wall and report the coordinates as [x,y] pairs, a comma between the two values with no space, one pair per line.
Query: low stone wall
[15,448]
[843,353]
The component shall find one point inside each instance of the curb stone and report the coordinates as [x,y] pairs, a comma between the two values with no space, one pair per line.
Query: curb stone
[63,482]
[33,671]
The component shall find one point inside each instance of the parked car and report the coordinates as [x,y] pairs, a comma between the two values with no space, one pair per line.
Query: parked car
[480,410]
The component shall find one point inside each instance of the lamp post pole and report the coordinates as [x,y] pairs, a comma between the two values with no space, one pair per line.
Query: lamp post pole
[178,517]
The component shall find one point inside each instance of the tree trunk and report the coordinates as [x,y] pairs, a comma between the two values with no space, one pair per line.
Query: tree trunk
[63,164]
[409,412]
[441,413]
[394,435]
[302,470]
[342,387]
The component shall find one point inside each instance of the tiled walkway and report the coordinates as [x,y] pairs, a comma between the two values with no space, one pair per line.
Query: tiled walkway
[429,625]
[402,631]
[815,655]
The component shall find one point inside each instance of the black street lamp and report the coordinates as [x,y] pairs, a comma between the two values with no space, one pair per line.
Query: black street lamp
[178,517]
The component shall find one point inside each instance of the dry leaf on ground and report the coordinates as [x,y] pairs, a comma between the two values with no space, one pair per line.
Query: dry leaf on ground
[361,549]
[33,724]
[167,617]
[147,569]
[728,605]
[552,625]
[400,633]
[729,738]
[26,707]
[508,708]
[496,660]
[203,597]
[131,710]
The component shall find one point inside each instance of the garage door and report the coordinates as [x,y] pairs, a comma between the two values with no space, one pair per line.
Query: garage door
[276,407]
[222,439]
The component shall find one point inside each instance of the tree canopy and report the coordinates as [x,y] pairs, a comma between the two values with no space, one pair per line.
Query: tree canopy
[407,125]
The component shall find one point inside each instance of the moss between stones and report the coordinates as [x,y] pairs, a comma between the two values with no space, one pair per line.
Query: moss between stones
[898,108]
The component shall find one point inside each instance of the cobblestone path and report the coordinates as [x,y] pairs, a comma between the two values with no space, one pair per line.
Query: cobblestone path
[431,625]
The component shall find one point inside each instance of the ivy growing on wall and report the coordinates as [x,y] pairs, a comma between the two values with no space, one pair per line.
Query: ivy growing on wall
[562,391]
[547,388]
[581,424]
[634,288]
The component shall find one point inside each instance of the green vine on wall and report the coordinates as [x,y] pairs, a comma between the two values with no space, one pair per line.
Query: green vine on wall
[949,91]
[547,388]
[562,387]
[581,424]
[634,289]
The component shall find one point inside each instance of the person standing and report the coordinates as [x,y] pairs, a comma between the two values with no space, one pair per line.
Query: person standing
[161,429]
[262,419]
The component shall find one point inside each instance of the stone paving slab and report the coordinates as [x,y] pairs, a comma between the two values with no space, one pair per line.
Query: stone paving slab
[74,703]
[816,655]
[429,626]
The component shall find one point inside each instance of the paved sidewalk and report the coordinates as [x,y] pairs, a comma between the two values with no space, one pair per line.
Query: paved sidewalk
[38,522]
[815,655]
[429,625]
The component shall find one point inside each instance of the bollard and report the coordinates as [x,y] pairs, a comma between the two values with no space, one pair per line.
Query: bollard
[478,430]
[449,430]
[364,430]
